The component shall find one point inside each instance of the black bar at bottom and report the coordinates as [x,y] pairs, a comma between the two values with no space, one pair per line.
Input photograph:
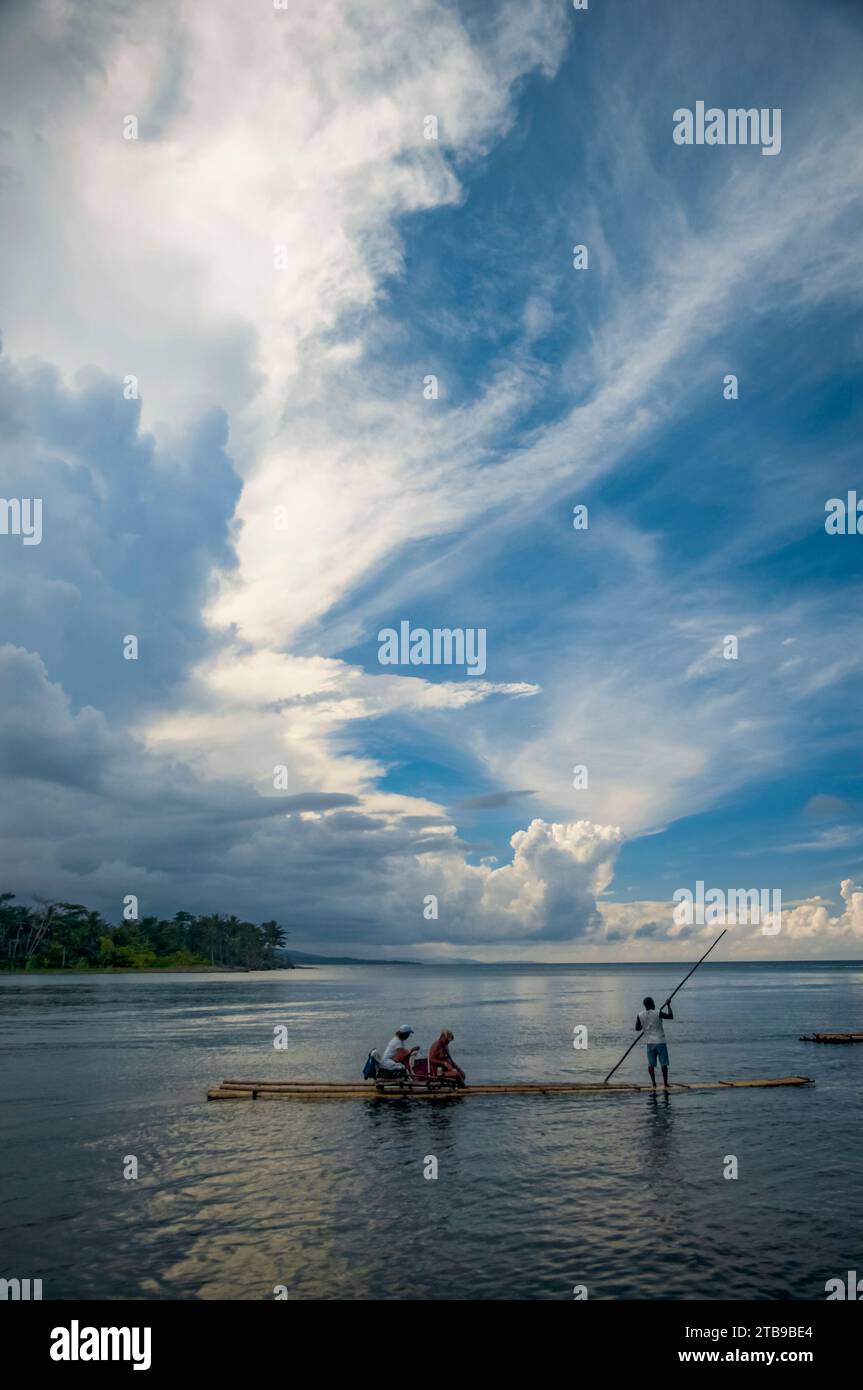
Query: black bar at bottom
[242,1337]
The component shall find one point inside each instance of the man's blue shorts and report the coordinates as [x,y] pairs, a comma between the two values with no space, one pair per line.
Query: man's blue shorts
[657,1050]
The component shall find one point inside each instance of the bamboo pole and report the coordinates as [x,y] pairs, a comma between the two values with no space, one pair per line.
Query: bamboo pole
[668,1001]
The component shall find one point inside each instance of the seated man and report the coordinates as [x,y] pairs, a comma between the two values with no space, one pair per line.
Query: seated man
[441,1063]
[397,1058]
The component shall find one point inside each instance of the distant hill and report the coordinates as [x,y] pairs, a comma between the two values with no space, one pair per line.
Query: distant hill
[313,958]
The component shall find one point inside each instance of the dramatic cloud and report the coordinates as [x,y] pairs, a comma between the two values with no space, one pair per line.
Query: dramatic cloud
[131,533]
[122,820]
[281,263]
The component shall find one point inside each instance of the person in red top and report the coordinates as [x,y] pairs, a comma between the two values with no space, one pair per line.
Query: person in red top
[440,1061]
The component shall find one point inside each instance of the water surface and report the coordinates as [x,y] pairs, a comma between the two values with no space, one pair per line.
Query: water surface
[625,1195]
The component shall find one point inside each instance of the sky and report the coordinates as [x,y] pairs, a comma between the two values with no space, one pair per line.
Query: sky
[295,350]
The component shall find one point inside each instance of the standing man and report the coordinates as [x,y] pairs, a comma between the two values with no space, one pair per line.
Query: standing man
[649,1021]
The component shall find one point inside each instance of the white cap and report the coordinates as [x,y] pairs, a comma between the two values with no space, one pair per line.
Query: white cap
[403,1028]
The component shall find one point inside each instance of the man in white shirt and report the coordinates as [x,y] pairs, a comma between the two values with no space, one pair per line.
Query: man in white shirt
[397,1058]
[649,1021]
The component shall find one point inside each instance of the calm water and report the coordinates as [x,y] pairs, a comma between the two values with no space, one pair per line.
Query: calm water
[623,1194]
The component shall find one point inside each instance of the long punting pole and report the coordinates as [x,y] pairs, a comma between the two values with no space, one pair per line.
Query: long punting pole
[668,1001]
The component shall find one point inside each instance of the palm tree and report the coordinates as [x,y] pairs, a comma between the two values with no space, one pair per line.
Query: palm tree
[274,935]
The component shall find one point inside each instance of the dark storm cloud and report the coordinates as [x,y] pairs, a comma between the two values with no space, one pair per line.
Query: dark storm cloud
[131,534]
[87,809]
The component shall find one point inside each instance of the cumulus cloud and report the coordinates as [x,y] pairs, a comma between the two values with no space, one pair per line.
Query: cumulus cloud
[548,892]
[812,920]
[806,929]
[92,815]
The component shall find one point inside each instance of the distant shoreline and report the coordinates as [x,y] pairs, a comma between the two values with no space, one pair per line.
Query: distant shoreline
[154,970]
[315,962]
[302,958]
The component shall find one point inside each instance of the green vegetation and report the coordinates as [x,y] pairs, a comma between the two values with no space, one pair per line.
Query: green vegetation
[57,936]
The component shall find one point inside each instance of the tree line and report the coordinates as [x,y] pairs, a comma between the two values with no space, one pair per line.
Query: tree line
[53,936]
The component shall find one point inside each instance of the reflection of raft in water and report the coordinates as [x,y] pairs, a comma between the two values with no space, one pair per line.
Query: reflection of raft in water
[832,1037]
[445,1090]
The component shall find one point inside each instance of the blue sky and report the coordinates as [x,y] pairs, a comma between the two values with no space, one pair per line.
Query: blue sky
[302,388]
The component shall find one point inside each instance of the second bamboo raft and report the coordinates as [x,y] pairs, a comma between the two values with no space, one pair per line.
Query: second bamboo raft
[832,1037]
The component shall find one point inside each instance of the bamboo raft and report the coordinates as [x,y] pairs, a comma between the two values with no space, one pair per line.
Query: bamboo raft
[398,1090]
[832,1037]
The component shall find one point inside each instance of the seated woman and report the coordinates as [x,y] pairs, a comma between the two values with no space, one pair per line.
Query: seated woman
[441,1063]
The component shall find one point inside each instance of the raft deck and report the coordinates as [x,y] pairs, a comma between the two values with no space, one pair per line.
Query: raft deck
[395,1090]
[832,1037]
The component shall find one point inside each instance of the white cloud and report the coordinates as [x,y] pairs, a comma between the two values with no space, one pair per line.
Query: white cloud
[257,128]
[92,816]
[548,892]
[247,711]
[155,256]
[812,921]
[807,930]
